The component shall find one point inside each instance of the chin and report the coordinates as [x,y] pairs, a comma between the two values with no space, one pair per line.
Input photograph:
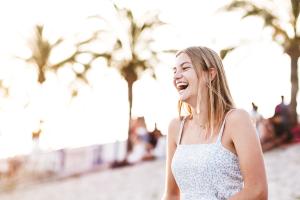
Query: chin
[187,99]
[184,99]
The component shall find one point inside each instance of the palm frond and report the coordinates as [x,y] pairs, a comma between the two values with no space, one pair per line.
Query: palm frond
[70,59]
[295,4]
[93,37]
[295,9]
[224,52]
[40,47]
[251,9]
[58,42]
[152,23]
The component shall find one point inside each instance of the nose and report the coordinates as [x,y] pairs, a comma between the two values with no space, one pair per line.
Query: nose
[177,75]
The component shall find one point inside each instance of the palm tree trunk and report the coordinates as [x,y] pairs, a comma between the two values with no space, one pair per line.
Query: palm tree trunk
[294,88]
[129,144]
[41,74]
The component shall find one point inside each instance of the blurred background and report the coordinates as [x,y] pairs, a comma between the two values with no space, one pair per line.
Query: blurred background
[86,90]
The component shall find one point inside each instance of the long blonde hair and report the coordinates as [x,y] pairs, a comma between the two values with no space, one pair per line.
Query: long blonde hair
[219,96]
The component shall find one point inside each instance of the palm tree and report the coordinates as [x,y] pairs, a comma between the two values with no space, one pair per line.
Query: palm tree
[133,49]
[41,49]
[289,40]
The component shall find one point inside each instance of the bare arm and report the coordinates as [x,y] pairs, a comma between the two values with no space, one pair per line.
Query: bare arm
[171,188]
[250,156]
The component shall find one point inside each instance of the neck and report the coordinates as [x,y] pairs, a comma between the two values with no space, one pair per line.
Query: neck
[201,117]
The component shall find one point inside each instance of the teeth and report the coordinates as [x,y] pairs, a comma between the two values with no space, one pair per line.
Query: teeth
[179,82]
[181,85]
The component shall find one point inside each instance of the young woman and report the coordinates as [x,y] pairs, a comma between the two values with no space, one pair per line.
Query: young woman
[213,152]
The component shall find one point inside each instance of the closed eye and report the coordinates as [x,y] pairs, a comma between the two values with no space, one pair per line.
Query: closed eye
[186,68]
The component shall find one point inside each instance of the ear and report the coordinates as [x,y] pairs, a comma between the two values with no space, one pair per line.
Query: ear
[212,72]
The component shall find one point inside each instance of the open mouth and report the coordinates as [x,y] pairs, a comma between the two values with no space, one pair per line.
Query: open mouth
[181,86]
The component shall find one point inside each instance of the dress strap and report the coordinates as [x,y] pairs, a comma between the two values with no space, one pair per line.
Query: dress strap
[181,130]
[223,125]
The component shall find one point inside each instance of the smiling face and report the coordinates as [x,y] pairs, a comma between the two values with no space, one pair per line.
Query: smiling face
[186,79]
[200,80]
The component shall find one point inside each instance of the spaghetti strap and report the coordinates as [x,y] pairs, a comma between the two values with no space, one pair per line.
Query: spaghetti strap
[181,130]
[223,125]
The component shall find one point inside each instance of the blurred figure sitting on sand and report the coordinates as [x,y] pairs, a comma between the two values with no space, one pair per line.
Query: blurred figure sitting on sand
[146,145]
[158,142]
[276,130]
[143,144]
[284,111]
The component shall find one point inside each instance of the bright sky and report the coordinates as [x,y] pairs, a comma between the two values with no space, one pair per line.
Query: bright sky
[257,71]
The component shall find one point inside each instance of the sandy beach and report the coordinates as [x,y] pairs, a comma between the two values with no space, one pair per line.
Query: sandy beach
[146,181]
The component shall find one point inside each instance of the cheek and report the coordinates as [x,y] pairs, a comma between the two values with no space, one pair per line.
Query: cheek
[199,85]
[174,83]
[193,79]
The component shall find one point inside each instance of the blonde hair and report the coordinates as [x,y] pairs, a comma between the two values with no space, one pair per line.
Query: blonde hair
[219,96]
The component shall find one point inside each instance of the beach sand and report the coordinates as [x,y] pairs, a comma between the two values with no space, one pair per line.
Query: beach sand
[146,181]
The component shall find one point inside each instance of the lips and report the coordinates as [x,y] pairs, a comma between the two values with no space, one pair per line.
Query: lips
[180,85]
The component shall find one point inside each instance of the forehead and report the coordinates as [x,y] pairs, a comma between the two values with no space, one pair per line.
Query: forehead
[181,59]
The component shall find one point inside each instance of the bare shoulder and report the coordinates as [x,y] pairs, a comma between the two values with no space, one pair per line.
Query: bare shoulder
[239,124]
[238,116]
[173,129]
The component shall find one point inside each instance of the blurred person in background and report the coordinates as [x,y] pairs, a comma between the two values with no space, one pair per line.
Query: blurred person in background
[277,129]
[141,143]
[141,129]
[213,152]
[256,118]
[140,140]
[283,110]
[159,144]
